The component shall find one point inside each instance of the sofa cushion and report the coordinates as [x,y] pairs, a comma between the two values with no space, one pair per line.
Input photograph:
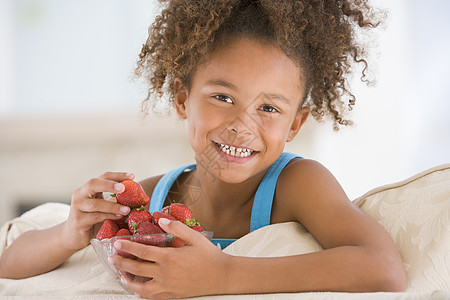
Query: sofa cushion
[416,213]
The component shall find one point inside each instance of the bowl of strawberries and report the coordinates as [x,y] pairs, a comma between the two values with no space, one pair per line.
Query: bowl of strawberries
[140,226]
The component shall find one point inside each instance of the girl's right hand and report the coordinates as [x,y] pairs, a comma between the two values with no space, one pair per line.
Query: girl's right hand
[89,208]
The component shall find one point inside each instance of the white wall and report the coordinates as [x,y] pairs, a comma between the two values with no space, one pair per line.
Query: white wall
[73,56]
[68,110]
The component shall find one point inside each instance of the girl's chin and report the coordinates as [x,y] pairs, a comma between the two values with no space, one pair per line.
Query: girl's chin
[231,178]
[224,172]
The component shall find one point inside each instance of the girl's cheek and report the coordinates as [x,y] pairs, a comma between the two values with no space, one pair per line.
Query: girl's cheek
[277,130]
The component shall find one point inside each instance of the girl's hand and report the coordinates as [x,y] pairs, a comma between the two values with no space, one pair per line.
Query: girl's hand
[89,208]
[192,270]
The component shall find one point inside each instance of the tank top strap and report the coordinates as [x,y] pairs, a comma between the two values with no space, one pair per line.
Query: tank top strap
[262,204]
[163,186]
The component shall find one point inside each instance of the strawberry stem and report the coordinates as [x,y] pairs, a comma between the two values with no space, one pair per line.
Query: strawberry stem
[192,222]
[135,226]
[140,208]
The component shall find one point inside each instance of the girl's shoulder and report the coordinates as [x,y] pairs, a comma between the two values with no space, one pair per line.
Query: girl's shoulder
[303,186]
[306,176]
[299,174]
[300,170]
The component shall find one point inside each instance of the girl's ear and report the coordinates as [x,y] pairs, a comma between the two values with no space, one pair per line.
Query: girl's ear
[298,122]
[180,96]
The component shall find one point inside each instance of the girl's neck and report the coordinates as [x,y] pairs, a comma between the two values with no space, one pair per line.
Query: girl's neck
[201,190]
[222,207]
[221,194]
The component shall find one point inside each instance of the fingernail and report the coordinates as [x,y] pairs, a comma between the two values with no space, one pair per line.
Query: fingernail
[164,221]
[129,175]
[123,280]
[119,187]
[110,260]
[117,245]
[124,209]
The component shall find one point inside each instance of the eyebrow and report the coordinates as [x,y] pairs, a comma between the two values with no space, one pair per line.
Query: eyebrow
[229,85]
[222,83]
[277,96]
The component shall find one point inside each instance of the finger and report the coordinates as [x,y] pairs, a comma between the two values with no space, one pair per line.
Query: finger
[146,252]
[135,267]
[149,289]
[128,282]
[117,176]
[87,197]
[103,206]
[180,230]
[96,186]
[95,218]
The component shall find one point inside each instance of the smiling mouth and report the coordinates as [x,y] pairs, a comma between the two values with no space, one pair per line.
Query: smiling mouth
[235,151]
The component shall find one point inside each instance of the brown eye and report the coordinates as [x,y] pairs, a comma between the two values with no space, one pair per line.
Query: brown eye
[223,98]
[269,108]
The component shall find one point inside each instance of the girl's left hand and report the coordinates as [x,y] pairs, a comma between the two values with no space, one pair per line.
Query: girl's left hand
[198,268]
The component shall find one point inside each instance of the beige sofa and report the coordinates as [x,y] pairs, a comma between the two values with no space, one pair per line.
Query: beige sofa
[416,212]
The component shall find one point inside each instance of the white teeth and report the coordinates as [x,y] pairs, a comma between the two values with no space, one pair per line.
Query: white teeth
[236,152]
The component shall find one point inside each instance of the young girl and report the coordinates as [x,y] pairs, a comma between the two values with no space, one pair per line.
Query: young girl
[245,75]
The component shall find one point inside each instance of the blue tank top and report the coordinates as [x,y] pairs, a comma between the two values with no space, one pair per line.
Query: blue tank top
[262,204]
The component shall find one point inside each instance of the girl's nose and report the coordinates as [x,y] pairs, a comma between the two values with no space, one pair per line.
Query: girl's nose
[240,130]
[240,126]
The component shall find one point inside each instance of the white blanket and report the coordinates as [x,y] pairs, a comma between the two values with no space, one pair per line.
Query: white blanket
[416,213]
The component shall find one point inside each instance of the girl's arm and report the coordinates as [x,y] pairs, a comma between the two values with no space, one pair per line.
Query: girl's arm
[35,252]
[39,251]
[358,255]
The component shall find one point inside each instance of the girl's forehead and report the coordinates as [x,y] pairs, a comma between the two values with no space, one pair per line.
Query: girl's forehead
[246,50]
[250,60]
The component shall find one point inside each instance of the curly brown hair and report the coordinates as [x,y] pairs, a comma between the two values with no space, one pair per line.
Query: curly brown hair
[318,35]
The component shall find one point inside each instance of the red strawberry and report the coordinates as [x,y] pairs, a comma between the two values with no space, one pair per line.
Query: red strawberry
[147,227]
[123,232]
[149,234]
[108,229]
[133,195]
[180,212]
[158,215]
[160,240]
[183,214]
[136,217]
[165,209]
[197,228]
[122,222]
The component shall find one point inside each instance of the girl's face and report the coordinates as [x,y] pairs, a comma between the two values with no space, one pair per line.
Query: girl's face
[241,109]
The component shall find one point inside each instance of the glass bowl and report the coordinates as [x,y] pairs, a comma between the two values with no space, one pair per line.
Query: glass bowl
[105,248]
